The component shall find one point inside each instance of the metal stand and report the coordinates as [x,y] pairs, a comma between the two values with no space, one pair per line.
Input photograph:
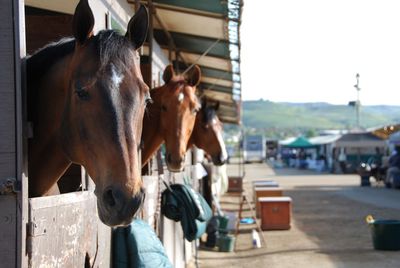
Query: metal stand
[244,199]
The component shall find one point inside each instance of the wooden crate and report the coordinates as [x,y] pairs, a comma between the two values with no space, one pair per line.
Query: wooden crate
[265,192]
[235,185]
[275,212]
[265,183]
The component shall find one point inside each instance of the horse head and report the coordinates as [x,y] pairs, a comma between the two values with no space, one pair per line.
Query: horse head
[175,103]
[102,117]
[207,133]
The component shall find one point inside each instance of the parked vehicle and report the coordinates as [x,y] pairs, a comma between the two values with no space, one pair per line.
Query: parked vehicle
[254,148]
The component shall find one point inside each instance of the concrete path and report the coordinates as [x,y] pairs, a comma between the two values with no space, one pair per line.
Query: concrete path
[328,223]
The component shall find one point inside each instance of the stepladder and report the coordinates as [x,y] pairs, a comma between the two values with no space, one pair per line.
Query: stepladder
[244,200]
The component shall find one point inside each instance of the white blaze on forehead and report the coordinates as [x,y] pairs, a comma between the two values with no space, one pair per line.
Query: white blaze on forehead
[222,143]
[116,77]
[181,96]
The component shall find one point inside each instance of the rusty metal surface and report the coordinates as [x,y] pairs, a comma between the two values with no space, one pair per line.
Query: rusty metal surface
[64,231]
[9,186]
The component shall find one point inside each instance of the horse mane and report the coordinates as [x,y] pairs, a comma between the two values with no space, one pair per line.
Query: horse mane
[108,44]
[43,59]
[37,66]
[208,113]
[113,47]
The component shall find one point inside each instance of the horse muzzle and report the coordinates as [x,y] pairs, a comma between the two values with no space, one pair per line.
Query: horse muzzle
[175,164]
[219,159]
[117,208]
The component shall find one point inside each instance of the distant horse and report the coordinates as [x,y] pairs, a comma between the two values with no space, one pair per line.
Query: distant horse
[207,133]
[86,98]
[170,117]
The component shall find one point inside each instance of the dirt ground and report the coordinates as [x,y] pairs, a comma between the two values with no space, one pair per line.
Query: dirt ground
[328,223]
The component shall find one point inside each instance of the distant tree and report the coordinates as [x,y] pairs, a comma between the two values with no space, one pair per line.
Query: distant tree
[310,133]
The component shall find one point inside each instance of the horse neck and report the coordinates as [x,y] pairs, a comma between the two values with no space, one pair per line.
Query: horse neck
[194,137]
[151,134]
[47,161]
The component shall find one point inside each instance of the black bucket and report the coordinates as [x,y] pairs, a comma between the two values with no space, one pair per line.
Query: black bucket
[365,180]
[385,234]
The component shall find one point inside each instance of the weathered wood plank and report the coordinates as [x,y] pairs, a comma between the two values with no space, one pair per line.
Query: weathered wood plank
[7,165]
[65,231]
[56,25]
[59,200]
[7,230]
[7,122]
[6,47]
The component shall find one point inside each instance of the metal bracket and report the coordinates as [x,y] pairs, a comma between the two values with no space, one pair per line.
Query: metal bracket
[36,228]
[9,186]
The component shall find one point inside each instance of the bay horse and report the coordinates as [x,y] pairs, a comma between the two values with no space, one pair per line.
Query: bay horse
[86,99]
[207,133]
[170,117]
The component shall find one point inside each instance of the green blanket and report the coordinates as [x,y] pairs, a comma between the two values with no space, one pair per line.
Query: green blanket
[137,246]
[182,203]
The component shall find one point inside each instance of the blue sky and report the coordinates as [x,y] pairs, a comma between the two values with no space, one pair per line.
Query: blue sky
[311,50]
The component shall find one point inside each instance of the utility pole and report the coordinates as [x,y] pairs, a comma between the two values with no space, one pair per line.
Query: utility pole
[358,103]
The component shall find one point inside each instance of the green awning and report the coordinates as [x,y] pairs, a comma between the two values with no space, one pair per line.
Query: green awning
[300,142]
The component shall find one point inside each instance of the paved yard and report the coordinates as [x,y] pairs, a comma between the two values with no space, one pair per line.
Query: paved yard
[328,226]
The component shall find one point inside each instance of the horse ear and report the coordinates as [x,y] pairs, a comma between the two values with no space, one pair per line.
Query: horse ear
[138,26]
[203,102]
[168,73]
[216,107]
[195,76]
[83,22]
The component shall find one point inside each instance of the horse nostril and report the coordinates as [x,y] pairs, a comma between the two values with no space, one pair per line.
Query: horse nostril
[169,158]
[109,199]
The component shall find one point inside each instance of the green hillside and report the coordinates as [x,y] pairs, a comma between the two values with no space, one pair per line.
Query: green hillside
[296,117]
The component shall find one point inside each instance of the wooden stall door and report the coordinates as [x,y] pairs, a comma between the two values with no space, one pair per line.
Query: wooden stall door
[65,231]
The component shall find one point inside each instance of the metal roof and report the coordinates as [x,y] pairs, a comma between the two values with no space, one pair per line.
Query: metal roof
[385,131]
[195,27]
[324,139]
[360,140]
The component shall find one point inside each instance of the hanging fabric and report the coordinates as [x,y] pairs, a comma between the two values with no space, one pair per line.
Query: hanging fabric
[180,202]
[137,246]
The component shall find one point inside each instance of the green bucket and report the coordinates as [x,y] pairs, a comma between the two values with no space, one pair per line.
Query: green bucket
[385,234]
[223,224]
[226,243]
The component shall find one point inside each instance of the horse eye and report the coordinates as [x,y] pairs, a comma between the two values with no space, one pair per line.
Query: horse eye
[148,100]
[82,94]
[164,108]
[80,90]
[195,110]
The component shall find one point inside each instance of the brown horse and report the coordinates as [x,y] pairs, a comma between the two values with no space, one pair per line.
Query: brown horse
[170,117]
[207,134]
[86,98]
